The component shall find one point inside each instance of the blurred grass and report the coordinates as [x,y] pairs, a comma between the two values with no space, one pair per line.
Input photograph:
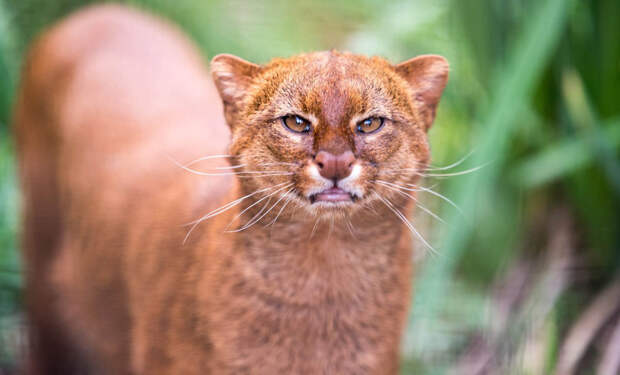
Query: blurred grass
[561,158]
[534,90]
[512,85]
[10,279]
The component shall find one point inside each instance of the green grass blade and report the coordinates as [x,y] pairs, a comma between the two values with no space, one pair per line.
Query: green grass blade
[513,85]
[560,159]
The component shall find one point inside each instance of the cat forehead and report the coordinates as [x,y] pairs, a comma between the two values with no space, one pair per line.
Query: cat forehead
[333,85]
[330,66]
[318,58]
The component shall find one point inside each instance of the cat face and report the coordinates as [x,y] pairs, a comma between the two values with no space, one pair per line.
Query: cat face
[329,130]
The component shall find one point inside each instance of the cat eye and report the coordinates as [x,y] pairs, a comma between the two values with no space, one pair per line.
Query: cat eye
[296,123]
[370,125]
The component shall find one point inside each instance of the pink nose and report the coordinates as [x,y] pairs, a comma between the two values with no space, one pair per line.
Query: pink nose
[335,167]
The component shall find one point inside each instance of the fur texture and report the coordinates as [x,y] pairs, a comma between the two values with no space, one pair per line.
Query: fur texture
[113,108]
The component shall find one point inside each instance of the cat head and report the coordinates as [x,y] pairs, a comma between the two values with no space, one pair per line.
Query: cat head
[329,130]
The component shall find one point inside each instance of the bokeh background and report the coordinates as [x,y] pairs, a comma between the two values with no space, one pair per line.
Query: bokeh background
[526,280]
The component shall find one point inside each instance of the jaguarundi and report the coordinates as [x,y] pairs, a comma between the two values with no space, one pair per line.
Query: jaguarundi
[247,219]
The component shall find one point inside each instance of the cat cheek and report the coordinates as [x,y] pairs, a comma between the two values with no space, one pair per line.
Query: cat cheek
[381,151]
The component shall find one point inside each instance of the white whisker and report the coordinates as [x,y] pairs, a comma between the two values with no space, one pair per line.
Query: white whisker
[254,204]
[370,208]
[396,185]
[240,174]
[316,222]
[402,217]
[251,221]
[422,173]
[467,171]
[351,229]
[206,158]
[331,229]
[288,200]
[232,167]
[224,208]
[278,163]
[258,165]
[433,192]
[424,189]
[457,163]
[417,203]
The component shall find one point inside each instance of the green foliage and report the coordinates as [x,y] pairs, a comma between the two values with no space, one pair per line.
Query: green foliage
[512,84]
[533,92]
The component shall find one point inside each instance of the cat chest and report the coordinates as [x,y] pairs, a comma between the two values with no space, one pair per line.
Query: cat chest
[304,330]
[282,338]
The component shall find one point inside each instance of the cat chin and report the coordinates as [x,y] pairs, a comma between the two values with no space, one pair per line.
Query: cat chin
[331,205]
[332,208]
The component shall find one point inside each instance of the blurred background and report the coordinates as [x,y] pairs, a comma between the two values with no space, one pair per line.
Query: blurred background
[526,280]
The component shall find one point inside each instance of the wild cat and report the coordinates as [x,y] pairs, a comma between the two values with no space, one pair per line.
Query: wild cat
[297,254]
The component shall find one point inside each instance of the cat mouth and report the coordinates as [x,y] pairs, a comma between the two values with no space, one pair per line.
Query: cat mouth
[332,195]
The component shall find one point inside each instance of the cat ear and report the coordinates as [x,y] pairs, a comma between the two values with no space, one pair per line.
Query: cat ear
[427,76]
[232,76]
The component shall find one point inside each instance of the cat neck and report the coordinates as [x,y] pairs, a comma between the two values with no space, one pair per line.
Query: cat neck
[305,259]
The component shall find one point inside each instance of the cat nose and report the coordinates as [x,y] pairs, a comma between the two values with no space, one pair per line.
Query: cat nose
[334,167]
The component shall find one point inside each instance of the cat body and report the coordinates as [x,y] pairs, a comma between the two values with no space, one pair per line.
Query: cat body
[148,251]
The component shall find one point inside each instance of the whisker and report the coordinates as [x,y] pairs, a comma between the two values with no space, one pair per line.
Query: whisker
[288,200]
[417,203]
[251,222]
[316,222]
[331,228]
[350,226]
[224,208]
[259,165]
[240,174]
[457,163]
[206,158]
[370,208]
[422,173]
[427,190]
[264,175]
[396,185]
[402,217]
[279,163]
[232,167]
[446,199]
[467,171]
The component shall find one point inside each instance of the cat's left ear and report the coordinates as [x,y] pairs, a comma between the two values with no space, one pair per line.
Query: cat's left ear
[232,76]
[427,76]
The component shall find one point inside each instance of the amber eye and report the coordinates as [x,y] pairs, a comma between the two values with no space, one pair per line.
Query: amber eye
[370,125]
[296,123]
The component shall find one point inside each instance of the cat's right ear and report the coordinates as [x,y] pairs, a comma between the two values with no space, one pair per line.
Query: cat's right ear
[233,77]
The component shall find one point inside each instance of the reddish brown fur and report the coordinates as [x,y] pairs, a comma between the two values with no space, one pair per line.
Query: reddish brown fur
[107,98]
